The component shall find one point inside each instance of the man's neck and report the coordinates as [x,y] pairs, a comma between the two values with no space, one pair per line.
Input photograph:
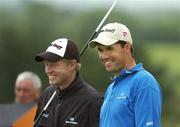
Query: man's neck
[68,82]
[128,65]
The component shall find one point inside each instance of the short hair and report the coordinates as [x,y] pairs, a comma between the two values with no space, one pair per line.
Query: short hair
[27,75]
[78,67]
[122,43]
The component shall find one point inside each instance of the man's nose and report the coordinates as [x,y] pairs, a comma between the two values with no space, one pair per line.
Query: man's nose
[20,93]
[48,68]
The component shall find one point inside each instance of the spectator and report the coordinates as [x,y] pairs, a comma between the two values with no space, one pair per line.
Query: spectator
[21,112]
[27,87]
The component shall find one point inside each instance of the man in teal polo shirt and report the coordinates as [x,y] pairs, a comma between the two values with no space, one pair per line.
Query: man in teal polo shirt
[134,98]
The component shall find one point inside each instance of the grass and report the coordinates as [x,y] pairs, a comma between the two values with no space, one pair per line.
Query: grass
[167,54]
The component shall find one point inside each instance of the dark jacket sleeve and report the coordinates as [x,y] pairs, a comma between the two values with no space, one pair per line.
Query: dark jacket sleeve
[39,108]
[43,99]
[94,112]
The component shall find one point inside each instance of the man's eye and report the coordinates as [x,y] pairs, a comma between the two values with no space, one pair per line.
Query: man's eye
[109,48]
[19,89]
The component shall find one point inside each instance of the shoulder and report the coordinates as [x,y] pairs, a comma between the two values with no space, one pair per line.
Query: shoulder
[144,84]
[90,92]
[145,76]
[88,89]
[47,93]
[49,90]
[144,79]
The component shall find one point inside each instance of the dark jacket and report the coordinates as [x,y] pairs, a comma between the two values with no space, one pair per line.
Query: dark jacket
[76,106]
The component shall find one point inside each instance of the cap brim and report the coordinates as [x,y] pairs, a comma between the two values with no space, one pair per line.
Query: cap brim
[48,56]
[103,41]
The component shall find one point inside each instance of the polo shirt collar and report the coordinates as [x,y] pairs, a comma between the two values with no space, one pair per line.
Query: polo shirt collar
[125,71]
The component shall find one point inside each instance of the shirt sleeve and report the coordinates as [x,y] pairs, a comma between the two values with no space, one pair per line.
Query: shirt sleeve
[147,108]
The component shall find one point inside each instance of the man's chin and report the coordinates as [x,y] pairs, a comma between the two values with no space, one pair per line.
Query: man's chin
[52,83]
[112,71]
[109,70]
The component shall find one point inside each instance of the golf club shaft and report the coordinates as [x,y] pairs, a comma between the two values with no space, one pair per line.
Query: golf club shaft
[44,109]
[97,29]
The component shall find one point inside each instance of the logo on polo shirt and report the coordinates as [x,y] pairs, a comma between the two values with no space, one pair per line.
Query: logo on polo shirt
[149,123]
[122,96]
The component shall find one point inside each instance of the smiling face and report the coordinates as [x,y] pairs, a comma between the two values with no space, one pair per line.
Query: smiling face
[113,57]
[60,73]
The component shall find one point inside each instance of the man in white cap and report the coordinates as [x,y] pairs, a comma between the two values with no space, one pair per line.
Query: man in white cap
[134,98]
[76,104]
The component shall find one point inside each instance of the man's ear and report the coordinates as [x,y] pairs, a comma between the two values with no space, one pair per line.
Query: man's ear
[127,47]
[73,64]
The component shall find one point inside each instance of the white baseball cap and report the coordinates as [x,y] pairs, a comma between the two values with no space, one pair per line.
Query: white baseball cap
[112,33]
[59,49]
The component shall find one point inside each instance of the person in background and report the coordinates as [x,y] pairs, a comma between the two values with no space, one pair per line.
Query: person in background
[21,112]
[27,87]
[76,103]
[133,99]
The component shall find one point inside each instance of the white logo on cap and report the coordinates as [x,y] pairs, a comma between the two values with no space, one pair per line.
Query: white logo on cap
[58,47]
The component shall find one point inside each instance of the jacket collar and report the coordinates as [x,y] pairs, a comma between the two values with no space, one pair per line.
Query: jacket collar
[73,87]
